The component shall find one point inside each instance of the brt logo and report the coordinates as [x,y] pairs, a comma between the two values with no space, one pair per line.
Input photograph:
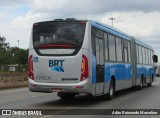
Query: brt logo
[56,65]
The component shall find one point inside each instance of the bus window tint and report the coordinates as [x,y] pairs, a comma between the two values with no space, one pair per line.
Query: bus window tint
[58,35]
[149,55]
[137,53]
[140,54]
[112,53]
[97,50]
[106,45]
[129,52]
[144,55]
[101,51]
[125,50]
[119,49]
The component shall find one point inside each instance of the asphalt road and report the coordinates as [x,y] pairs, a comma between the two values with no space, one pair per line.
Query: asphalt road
[22,98]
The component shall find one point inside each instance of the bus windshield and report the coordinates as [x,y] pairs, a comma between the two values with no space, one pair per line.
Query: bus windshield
[58,38]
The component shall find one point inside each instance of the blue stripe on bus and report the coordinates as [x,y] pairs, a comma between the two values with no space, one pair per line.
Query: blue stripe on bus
[146,70]
[93,69]
[120,71]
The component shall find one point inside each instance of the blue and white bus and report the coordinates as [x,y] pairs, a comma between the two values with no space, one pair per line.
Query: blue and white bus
[72,56]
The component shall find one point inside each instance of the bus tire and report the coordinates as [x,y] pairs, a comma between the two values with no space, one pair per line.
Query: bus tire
[66,96]
[109,96]
[111,90]
[150,83]
[141,85]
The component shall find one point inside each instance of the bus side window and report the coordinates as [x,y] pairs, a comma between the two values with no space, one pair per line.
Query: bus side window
[149,52]
[147,56]
[125,50]
[137,53]
[144,55]
[106,45]
[97,50]
[112,48]
[129,52]
[151,57]
[95,33]
[101,51]
[140,54]
[98,33]
[119,49]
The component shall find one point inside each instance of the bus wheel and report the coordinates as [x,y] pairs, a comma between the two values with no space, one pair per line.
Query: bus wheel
[150,83]
[66,96]
[110,95]
[111,90]
[141,85]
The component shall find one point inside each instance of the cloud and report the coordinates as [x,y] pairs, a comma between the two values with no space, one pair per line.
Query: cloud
[84,7]
[143,26]
[136,23]
[94,6]
[139,18]
[20,29]
[13,3]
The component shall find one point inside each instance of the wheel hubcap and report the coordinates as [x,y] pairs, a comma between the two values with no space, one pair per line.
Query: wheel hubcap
[111,91]
[141,84]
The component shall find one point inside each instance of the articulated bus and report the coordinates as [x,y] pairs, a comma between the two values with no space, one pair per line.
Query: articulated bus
[71,57]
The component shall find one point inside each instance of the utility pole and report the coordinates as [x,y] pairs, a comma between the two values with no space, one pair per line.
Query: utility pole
[112,20]
[18,43]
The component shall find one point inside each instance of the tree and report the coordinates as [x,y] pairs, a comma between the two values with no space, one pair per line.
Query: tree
[23,56]
[3,44]
[12,55]
[4,57]
[18,55]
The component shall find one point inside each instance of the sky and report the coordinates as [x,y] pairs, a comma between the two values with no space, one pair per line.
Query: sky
[138,18]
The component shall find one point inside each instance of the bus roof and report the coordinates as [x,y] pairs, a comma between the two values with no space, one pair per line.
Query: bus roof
[143,44]
[110,29]
[117,32]
[104,27]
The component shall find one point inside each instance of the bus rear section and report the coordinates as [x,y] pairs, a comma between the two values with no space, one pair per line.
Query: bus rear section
[57,61]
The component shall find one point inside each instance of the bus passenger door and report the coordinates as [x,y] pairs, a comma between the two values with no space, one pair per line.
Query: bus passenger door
[99,65]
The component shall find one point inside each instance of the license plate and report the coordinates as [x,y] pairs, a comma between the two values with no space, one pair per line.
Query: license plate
[56,90]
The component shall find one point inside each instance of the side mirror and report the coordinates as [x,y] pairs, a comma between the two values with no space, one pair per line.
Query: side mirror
[155,58]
